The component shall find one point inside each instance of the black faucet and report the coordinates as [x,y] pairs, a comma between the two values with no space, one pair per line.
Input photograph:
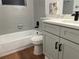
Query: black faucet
[37,24]
[76,15]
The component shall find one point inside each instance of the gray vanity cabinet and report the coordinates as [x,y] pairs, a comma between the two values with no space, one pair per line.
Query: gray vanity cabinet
[50,43]
[60,42]
[70,34]
[69,50]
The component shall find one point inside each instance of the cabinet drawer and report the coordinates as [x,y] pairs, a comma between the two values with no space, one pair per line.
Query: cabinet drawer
[70,34]
[51,28]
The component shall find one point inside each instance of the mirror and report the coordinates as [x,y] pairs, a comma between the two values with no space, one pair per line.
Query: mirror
[70,6]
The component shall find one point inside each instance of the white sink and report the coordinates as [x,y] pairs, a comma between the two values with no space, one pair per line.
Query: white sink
[71,21]
[63,21]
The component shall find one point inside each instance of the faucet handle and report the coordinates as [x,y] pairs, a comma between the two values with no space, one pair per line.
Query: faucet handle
[73,15]
[76,13]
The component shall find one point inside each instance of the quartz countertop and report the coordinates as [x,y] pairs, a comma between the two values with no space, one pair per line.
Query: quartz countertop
[63,22]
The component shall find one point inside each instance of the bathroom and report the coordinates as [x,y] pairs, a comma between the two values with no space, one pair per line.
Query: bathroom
[39,29]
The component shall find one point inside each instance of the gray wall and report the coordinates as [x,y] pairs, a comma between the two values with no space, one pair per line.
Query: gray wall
[39,9]
[13,16]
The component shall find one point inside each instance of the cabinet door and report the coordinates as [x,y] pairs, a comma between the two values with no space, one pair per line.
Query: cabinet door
[50,43]
[69,51]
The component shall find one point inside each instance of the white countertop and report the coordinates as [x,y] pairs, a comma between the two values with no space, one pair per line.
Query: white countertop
[63,22]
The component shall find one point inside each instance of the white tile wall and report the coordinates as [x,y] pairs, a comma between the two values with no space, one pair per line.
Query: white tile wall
[76,3]
[12,16]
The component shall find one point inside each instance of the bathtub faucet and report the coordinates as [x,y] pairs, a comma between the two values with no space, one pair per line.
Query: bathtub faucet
[37,24]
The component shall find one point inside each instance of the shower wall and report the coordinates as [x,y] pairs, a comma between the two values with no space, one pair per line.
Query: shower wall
[16,18]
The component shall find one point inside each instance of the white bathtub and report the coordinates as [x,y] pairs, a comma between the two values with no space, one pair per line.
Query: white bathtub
[10,43]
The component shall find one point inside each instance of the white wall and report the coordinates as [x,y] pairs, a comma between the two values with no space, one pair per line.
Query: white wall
[12,16]
[60,7]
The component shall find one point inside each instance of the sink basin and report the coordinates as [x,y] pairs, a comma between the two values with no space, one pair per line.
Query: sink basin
[63,21]
[71,21]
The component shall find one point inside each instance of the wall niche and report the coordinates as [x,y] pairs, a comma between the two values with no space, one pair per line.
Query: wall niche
[13,2]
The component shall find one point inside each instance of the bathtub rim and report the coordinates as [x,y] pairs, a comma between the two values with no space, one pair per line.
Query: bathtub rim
[20,48]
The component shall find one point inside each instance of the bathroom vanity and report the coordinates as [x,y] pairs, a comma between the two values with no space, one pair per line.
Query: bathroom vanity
[61,39]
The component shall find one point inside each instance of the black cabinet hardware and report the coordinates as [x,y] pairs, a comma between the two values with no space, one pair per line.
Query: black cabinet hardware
[56,45]
[60,47]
